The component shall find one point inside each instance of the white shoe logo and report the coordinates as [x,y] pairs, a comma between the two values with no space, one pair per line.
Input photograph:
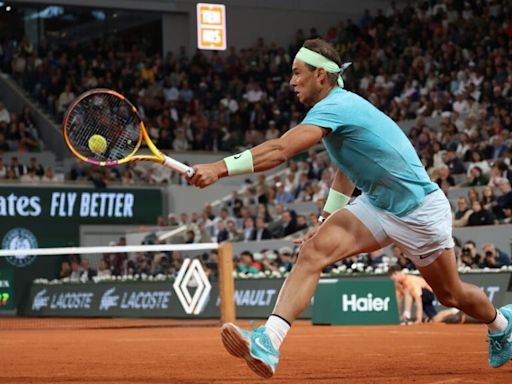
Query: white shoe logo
[265,349]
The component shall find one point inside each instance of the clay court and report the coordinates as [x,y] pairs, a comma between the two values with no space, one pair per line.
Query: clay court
[164,352]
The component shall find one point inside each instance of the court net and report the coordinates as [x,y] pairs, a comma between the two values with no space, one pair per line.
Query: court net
[163,285]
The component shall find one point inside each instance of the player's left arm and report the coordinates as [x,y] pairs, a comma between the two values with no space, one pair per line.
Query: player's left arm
[340,185]
[416,295]
[263,157]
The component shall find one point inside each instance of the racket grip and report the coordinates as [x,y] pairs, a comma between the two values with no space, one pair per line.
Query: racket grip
[175,165]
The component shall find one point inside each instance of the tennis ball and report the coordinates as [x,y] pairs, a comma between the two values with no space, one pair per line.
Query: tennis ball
[97,144]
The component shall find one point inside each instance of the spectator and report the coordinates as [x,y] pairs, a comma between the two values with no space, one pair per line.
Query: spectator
[38,168]
[233,234]
[288,224]
[65,269]
[473,195]
[476,177]
[477,160]
[282,196]
[65,98]
[103,270]
[499,170]
[504,200]
[444,176]
[76,271]
[285,259]
[488,198]
[17,168]
[248,232]
[462,213]
[493,257]
[87,273]
[261,232]
[480,216]
[470,257]
[247,265]
[190,237]
[455,165]
[222,232]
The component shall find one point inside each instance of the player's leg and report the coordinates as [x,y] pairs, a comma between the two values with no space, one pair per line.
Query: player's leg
[341,235]
[443,277]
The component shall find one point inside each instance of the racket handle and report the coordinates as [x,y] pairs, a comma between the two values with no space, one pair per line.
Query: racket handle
[175,165]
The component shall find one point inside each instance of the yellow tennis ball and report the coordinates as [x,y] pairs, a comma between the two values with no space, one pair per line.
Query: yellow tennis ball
[97,144]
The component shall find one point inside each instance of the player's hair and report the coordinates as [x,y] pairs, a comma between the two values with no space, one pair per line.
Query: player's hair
[393,269]
[327,50]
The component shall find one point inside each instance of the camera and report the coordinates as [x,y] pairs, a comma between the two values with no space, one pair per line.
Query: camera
[466,252]
[489,254]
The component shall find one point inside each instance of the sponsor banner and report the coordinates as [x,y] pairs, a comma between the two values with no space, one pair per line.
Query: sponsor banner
[50,216]
[254,299]
[365,300]
[80,204]
[355,301]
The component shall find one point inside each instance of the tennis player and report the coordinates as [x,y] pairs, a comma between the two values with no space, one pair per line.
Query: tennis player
[398,204]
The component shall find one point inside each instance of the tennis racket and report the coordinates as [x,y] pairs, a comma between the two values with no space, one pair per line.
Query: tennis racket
[103,128]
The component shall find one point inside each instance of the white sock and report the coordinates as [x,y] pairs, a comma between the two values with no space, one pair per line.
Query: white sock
[276,328]
[499,324]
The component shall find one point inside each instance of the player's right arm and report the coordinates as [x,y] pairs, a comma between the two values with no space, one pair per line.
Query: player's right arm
[263,157]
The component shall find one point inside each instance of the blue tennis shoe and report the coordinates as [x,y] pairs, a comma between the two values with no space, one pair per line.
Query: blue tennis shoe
[254,347]
[500,344]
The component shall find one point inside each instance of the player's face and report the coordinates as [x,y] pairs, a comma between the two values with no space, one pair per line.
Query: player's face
[305,83]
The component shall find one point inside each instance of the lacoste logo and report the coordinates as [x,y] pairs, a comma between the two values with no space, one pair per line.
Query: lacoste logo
[108,300]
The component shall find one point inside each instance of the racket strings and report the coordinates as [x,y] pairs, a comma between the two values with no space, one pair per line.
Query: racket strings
[106,115]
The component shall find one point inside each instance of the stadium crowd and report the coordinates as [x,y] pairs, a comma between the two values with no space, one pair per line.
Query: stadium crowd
[444,64]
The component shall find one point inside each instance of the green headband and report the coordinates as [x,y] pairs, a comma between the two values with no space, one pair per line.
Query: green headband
[317,60]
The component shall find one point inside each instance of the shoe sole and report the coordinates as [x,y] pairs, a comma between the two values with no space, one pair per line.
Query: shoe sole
[238,346]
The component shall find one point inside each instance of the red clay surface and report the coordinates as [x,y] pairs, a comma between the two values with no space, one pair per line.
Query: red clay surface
[163,354]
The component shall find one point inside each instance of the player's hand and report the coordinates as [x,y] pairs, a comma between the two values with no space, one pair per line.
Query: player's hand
[205,175]
[312,232]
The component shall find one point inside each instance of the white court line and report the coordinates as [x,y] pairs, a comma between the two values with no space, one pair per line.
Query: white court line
[448,381]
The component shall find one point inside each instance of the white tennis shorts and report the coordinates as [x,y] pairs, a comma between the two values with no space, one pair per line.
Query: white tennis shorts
[422,235]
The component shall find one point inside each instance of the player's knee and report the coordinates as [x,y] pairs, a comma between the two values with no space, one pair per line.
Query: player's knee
[312,258]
